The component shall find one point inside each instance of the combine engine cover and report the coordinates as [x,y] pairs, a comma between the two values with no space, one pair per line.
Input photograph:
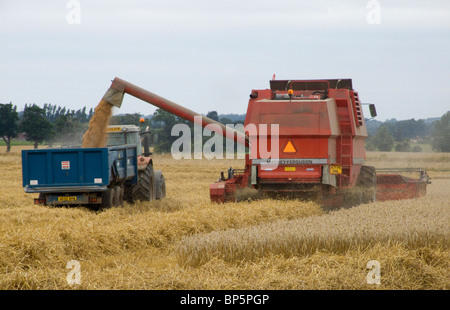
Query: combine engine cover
[321,136]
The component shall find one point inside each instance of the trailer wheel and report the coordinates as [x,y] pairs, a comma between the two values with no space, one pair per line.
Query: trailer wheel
[128,193]
[367,182]
[118,196]
[144,189]
[43,197]
[108,198]
[160,185]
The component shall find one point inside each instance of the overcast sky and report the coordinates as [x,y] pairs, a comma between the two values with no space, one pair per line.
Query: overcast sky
[209,55]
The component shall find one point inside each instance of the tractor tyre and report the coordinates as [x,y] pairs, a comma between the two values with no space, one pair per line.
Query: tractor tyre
[367,184]
[144,189]
[160,185]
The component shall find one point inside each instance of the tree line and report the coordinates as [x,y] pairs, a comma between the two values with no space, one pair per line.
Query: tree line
[59,125]
[397,135]
[54,124]
[51,123]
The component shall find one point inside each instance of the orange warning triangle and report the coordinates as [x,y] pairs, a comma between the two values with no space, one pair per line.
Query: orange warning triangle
[289,148]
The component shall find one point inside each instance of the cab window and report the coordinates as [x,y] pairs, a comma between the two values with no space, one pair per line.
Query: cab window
[115,138]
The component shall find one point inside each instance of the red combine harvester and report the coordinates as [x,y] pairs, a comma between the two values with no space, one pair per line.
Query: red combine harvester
[318,151]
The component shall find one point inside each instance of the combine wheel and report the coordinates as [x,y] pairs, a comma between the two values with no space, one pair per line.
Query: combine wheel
[144,189]
[367,183]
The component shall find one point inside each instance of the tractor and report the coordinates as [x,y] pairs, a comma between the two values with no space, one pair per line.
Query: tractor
[151,184]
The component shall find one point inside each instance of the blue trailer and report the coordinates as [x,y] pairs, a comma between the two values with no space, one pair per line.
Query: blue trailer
[80,176]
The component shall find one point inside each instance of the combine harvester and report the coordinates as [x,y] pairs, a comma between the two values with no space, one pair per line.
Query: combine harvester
[320,144]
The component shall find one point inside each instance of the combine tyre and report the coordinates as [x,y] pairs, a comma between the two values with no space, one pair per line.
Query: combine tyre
[365,190]
[367,185]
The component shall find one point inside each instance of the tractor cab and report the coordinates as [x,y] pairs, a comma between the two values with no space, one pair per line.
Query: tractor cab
[124,134]
[128,134]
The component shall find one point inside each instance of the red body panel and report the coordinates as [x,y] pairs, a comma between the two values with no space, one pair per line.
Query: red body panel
[310,173]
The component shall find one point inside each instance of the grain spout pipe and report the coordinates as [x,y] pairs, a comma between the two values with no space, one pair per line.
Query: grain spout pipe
[114,96]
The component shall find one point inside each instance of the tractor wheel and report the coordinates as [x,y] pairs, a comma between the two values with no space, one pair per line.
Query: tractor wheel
[144,189]
[367,184]
[160,185]
[108,198]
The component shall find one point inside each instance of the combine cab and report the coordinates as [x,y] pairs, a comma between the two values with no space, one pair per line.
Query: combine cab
[318,149]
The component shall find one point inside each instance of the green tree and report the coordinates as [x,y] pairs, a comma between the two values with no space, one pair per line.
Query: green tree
[441,134]
[226,121]
[407,129]
[403,147]
[69,130]
[35,125]
[8,123]
[416,148]
[128,119]
[164,121]
[383,140]
[213,115]
[369,143]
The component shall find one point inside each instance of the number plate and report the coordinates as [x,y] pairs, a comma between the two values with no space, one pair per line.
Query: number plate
[335,169]
[67,198]
[289,168]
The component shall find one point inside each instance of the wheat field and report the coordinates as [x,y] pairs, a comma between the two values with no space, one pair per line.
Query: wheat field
[187,242]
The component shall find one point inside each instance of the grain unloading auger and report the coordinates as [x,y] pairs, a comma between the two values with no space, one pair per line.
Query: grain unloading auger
[119,87]
[319,147]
